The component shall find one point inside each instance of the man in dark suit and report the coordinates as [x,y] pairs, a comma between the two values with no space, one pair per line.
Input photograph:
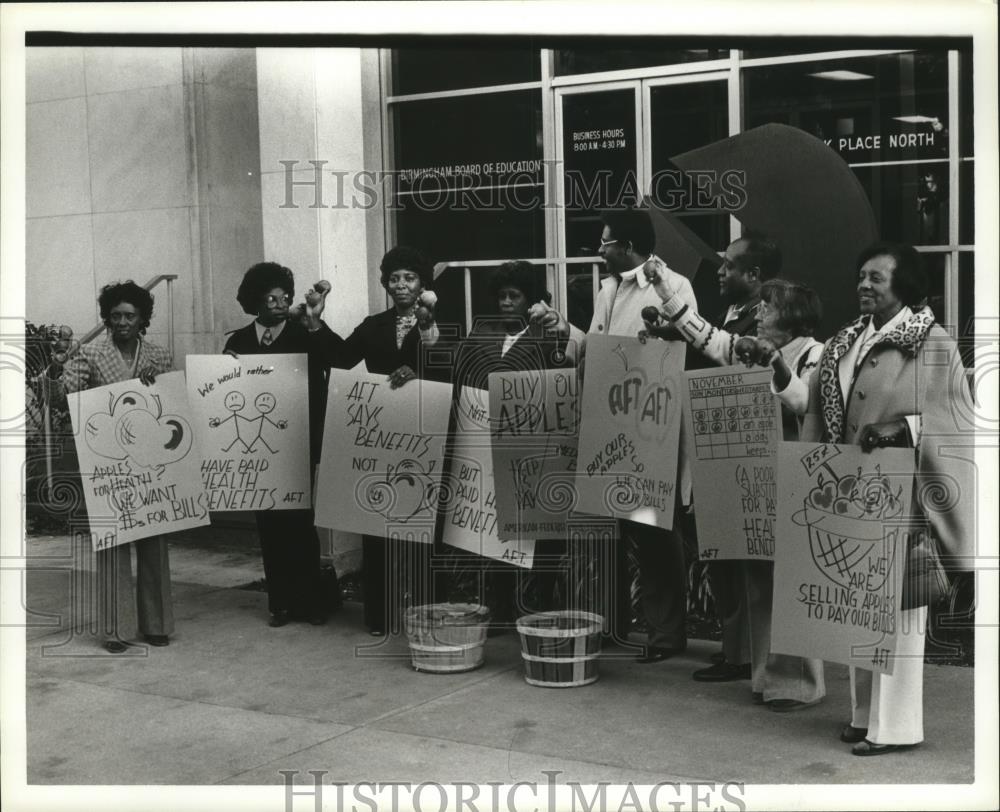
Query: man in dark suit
[748,262]
[289,543]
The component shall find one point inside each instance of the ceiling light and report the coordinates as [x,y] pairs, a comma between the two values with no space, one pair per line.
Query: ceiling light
[841,75]
[916,119]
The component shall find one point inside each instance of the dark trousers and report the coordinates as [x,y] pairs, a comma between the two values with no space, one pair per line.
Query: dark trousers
[395,575]
[729,590]
[289,546]
[662,581]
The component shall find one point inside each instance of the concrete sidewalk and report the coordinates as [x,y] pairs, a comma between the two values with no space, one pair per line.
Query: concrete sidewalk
[232,701]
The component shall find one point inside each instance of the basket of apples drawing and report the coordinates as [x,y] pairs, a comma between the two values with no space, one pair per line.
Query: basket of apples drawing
[847,519]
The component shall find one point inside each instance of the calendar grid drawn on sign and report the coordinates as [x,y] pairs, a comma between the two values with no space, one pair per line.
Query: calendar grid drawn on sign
[732,421]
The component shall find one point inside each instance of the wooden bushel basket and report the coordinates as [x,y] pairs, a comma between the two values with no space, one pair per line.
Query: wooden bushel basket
[560,649]
[447,638]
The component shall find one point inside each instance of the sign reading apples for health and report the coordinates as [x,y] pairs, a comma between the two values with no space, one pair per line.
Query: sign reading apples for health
[253,415]
[138,460]
[733,425]
[534,418]
[845,526]
[380,469]
[631,417]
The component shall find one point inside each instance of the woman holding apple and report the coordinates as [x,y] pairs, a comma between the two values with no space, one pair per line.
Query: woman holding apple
[393,343]
[126,310]
[787,317]
[893,377]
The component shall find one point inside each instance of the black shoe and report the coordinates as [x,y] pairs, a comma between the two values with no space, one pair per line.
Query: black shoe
[723,672]
[655,654]
[867,748]
[115,647]
[852,735]
[157,639]
[278,619]
[790,705]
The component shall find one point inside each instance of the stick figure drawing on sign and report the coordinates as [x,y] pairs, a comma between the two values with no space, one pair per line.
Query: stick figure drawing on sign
[235,402]
[265,403]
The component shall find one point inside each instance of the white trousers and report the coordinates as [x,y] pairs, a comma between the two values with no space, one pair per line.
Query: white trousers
[892,706]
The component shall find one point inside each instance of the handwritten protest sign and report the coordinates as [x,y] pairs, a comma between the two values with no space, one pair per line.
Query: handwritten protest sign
[253,415]
[844,524]
[138,460]
[534,417]
[629,429]
[733,424]
[469,515]
[380,469]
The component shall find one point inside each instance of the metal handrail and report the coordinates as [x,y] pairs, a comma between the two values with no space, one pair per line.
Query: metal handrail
[560,293]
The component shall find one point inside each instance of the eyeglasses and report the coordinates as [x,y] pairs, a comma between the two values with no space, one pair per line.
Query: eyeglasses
[605,243]
[272,300]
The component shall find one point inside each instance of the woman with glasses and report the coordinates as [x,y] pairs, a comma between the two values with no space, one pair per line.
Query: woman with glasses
[787,317]
[393,343]
[124,354]
[289,543]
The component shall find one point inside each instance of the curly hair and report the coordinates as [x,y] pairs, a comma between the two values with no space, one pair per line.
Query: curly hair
[129,292]
[909,279]
[799,308]
[403,257]
[521,275]
[760,252]
[258,280]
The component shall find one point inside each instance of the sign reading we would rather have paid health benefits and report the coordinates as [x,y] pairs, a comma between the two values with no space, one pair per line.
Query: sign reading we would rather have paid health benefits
[252,414]
[470,514]
[534,418]
[733,430]
[631,415]
[138,460]
[845,525]
[383,448]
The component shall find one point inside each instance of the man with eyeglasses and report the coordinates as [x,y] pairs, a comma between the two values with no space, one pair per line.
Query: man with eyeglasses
[289,543]
[627,242]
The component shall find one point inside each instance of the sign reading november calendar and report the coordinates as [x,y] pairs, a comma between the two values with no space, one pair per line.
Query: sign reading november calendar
[534,418]
[470,515]
[844,524]
[253,415]
[138,460]
[631,416]
[733,424]
[380,469]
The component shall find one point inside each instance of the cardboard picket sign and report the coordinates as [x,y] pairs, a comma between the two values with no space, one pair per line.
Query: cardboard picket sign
[138,460]
[534,419]
[629,429]
[733,428]
[468,513]
[844,524]
[380,467]
[253,415]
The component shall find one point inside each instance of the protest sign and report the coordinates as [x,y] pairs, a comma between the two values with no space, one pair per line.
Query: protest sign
[138,460]
[629,429]
[844,524]
[469,516]
[253,415]
[733,425]
[380,468]
[534,418]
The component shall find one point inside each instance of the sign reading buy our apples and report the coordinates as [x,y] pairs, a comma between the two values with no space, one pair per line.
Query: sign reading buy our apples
[380,470]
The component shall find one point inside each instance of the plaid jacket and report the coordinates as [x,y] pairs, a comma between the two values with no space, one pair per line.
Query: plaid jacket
[100,363]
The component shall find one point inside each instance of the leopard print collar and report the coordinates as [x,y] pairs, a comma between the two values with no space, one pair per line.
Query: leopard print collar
[908,337]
